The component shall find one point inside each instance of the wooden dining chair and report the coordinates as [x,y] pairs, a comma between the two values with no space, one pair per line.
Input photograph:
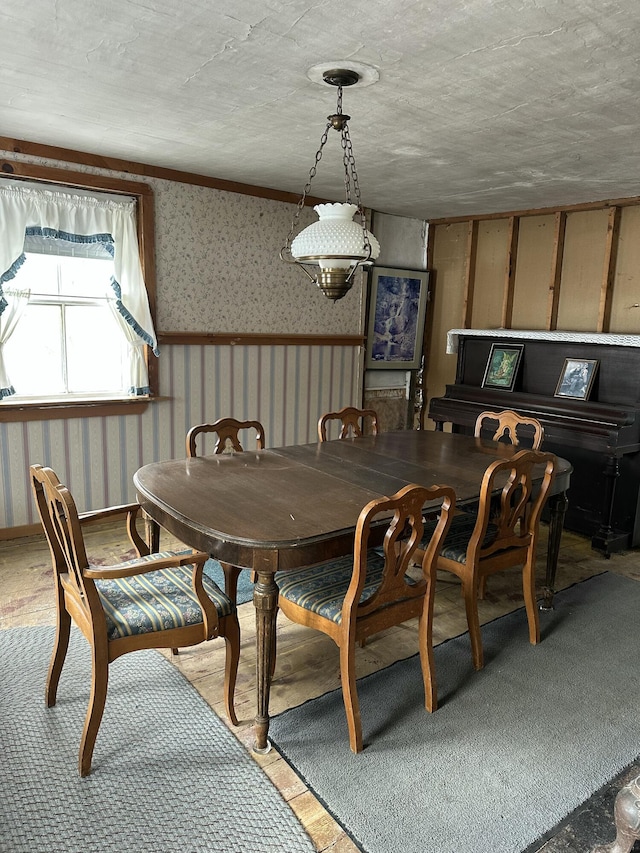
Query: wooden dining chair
[482,544]
[353,422]
[361,594]
[153,601]
[508,425]
[227,431]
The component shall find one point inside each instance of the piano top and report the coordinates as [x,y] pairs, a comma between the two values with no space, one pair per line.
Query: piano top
[601,427]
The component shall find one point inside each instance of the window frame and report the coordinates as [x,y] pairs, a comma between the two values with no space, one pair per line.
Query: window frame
[143,194]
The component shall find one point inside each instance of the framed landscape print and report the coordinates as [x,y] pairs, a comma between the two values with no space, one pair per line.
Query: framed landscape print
[502,366]
[577,378]
[397,309]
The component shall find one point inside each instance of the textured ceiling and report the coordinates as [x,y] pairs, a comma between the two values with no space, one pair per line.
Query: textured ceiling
[481,105]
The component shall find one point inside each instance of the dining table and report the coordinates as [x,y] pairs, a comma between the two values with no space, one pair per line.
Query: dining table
[278,509]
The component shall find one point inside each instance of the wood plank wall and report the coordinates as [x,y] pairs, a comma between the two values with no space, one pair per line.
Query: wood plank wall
[568,268]
[286,386]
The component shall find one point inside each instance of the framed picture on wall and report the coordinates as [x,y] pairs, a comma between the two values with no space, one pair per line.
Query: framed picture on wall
[576,379]
[397,310]
[502,366]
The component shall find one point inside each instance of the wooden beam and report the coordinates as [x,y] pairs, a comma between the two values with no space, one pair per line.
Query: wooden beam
[70,155]
[470,274]
[609,270]
[235,339]
[510,273]
[540,211]
[556,270]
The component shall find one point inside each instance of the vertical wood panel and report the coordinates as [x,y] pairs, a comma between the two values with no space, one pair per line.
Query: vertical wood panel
[531,282]
[493,244]
[584,251]
[625,303]
[510,272]
[608,273]
[556,270]
[449,252]
[470,273]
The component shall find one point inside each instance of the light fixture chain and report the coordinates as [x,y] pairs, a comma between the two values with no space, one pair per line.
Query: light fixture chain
[350,164]
[305,192]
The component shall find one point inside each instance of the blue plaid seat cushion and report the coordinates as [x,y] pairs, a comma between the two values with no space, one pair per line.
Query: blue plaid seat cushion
[156,601]
[457,540]
[322,588]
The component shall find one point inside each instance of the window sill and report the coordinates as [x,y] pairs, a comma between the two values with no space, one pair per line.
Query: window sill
[60,409]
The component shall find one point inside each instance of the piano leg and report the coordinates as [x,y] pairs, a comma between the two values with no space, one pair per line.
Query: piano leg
[605,537]
[557,508]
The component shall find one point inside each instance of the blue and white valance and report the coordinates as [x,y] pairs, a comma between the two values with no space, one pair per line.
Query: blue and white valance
[62,215]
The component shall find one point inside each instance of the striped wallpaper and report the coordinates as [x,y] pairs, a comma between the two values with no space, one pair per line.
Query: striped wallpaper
[286,388]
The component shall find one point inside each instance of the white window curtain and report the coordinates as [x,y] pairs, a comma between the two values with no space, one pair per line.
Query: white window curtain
[80,219]
[16,303]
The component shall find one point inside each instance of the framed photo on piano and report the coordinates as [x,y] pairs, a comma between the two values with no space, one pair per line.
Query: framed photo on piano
[576,379]
[502,366]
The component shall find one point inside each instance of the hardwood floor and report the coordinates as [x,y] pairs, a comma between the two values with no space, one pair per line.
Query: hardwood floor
[307,663]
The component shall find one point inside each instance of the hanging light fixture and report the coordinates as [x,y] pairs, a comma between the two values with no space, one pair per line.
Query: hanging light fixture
[330,250]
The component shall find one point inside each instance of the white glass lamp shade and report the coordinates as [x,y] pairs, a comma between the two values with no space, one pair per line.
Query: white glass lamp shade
[335,241]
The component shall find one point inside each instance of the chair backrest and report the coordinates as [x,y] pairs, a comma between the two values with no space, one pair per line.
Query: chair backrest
[353,422]
[510,482]
[404,532]
[227,430]
[59,516]
[508,425]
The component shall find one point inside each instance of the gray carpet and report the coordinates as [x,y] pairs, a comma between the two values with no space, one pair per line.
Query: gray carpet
[512,749]
[167,773]
[245,586]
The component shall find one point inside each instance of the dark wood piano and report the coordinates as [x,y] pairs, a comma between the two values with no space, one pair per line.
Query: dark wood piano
[599,436]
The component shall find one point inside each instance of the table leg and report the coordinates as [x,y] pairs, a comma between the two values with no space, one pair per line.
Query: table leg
[151,533]
[558,507]
[265,600]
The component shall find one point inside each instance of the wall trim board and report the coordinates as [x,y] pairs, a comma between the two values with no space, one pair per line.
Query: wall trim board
[7,533]
[253,339]
[541,211]
[116,164]
[22,412]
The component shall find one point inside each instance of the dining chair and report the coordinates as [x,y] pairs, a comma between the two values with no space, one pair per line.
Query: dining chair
[353,422]
[352,597]
[227,435]
[508,424]
[227,432]
[480,545]
[158,600]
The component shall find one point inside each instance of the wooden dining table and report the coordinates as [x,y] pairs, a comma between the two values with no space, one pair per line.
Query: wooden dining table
[278,509]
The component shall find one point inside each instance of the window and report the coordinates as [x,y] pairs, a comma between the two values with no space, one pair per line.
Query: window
[75,320]
[67,328]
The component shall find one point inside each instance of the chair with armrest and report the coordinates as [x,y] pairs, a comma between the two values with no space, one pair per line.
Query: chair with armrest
[227,432]
[481,545]
[508,425]
[368,591]
[353,422]
[158,600]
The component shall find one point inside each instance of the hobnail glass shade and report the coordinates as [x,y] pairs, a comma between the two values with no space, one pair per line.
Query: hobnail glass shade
[335,240]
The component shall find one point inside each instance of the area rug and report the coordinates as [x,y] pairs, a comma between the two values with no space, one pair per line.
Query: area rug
[167,774]
[512,749]
[245,585]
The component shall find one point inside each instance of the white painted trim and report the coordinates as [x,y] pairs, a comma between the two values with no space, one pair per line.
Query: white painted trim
[577,337]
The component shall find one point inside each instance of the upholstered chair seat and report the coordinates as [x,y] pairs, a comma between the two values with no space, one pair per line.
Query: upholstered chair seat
[322,588]
[156,601]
